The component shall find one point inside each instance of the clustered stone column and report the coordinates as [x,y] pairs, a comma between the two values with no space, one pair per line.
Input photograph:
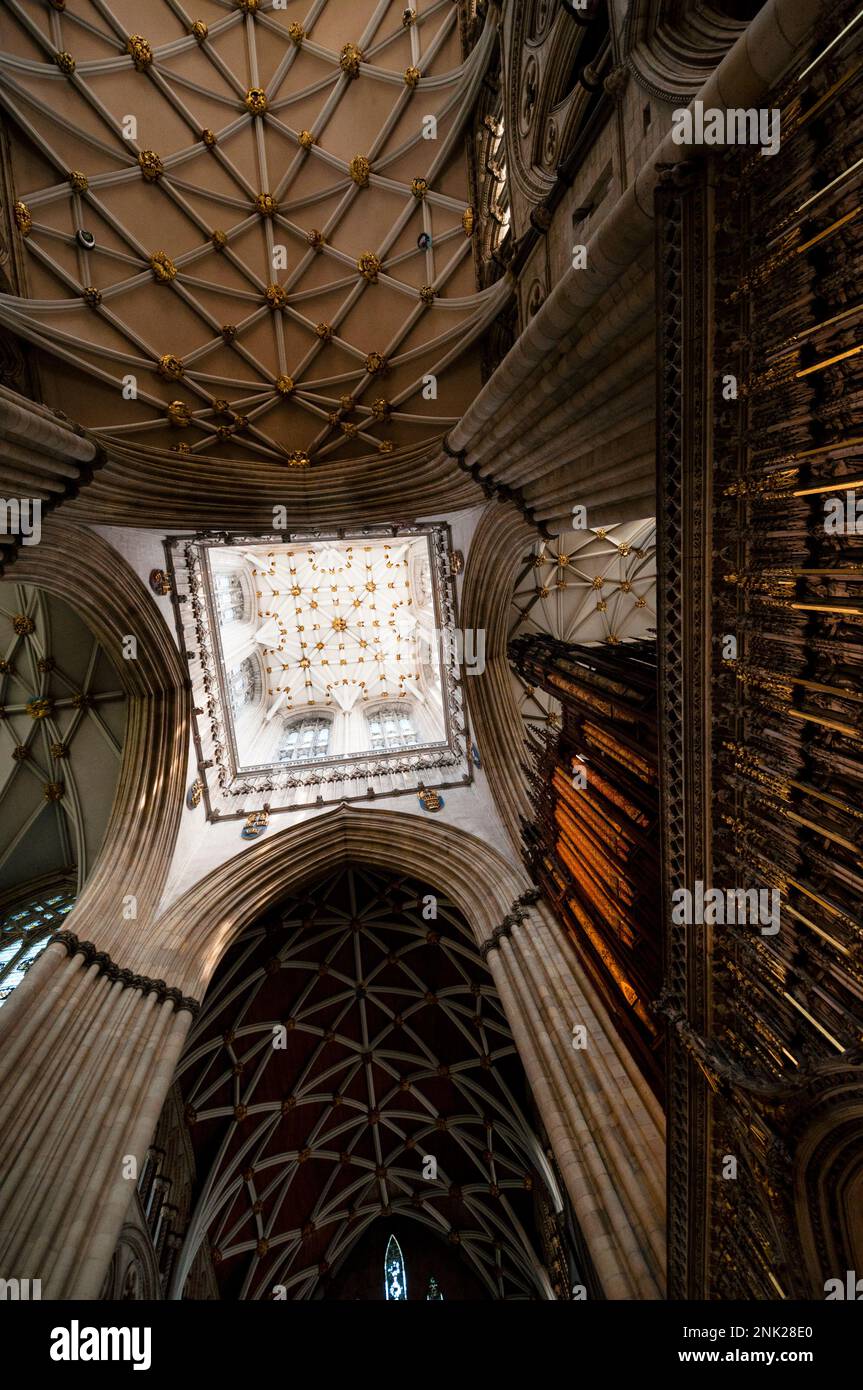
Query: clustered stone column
[87,1047]
[67,1130]
[604,1124]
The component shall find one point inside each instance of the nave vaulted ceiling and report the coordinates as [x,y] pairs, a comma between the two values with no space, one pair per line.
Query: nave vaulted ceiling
[396,1049]
[191,144]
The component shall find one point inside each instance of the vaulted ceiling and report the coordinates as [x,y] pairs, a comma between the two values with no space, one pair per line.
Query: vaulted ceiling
[584,586]
[396,1050]
[62,723]
[342,623]
[218,214]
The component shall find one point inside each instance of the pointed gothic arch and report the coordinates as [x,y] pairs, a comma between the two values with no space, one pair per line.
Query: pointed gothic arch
[81,567]
[192,935]
[344,1038]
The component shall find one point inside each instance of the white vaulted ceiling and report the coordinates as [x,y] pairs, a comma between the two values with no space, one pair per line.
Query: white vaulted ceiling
[586,586]
[341,623]
[253,128]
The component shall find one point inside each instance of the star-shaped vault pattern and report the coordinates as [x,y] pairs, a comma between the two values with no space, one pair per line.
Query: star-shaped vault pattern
[396,1050]
[586,586]
[342,624]
[62,722]
[238,238]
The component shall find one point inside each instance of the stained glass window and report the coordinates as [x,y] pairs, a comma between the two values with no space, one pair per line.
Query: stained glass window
[304,740]
[24,934]
[395,1278]
[390,727]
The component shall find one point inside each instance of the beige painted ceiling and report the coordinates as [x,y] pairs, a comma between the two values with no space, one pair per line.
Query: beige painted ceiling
[225,354]
[62,724]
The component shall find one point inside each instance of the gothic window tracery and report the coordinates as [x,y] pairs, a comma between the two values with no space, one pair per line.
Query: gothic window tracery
[395,1275]
[391,727]
[305,739]
[230,598]
[24,934]
[244,684]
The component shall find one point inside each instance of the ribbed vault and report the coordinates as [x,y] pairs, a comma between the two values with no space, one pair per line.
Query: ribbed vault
[62,722]
[590,585]
[256,184]
[79,567]
[584,586]
[395,1051]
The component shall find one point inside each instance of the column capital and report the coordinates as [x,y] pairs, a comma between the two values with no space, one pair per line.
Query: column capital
[516,915]
[127,978]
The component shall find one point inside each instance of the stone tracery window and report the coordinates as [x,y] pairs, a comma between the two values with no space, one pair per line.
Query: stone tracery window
[24,934]
[424,584]
[230,598]
[304,740]
[391,727]
[245,684]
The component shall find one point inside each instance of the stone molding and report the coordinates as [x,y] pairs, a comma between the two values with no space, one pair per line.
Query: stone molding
[517,914]
[127,978]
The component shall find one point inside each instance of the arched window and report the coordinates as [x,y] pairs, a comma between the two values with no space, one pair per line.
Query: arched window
[230,598]
[244,684]
[24,934]
[395,1277]
[424,583]
[391,727]
[304,740]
